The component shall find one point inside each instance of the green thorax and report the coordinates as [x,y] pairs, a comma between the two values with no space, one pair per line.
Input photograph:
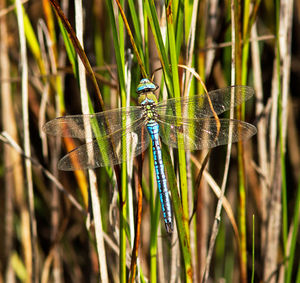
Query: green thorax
[147,98]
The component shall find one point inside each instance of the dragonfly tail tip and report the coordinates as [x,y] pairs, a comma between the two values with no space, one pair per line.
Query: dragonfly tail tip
[169,227]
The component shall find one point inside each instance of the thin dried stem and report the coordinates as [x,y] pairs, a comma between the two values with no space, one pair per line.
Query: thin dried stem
[261,135]
[95,202]
[28,170]
[13,174]
[216,224]
[6,138]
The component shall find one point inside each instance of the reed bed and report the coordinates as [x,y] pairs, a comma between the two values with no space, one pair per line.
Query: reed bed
[236,207]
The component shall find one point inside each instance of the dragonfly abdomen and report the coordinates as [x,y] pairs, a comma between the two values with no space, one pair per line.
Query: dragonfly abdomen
[153,129]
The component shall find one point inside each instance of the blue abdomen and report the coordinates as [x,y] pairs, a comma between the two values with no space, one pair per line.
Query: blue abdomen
[153,129]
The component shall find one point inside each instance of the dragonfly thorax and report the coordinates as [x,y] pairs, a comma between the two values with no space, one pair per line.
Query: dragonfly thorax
[147,98]
[150,111]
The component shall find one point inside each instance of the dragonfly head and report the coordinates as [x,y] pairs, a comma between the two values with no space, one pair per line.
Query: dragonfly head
[146,85]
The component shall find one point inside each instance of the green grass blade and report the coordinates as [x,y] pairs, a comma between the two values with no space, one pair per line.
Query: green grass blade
[282,143]
[179,26]
[291,255]
[253,249]
[33,42]
[155,218]
[178,211]
[71,53]
[176,88]
[136,25]
[151,12]
[298,276]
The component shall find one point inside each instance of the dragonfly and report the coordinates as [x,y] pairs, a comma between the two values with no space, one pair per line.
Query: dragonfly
[123,133]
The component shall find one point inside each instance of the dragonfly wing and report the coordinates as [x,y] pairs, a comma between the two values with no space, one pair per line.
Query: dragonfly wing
[197,134]
[102,123]
[198,106]
[108,150]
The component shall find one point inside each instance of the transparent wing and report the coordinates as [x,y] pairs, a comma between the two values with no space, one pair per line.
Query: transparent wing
[103,123]
[198,106]
[108,150]
[196,134]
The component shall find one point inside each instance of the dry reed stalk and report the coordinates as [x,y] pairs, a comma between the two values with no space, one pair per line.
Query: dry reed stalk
[216,224]
[13,174]
[285,41]
[49,62]
[273,228]
[274,199]
[211,27]
[203,197]
[14,163]
[33,271]
[273,124]
[69,143]
[95,202]
[261,136]
[203,220]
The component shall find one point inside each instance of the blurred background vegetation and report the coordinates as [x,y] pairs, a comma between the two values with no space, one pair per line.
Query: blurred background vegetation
[78,226]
